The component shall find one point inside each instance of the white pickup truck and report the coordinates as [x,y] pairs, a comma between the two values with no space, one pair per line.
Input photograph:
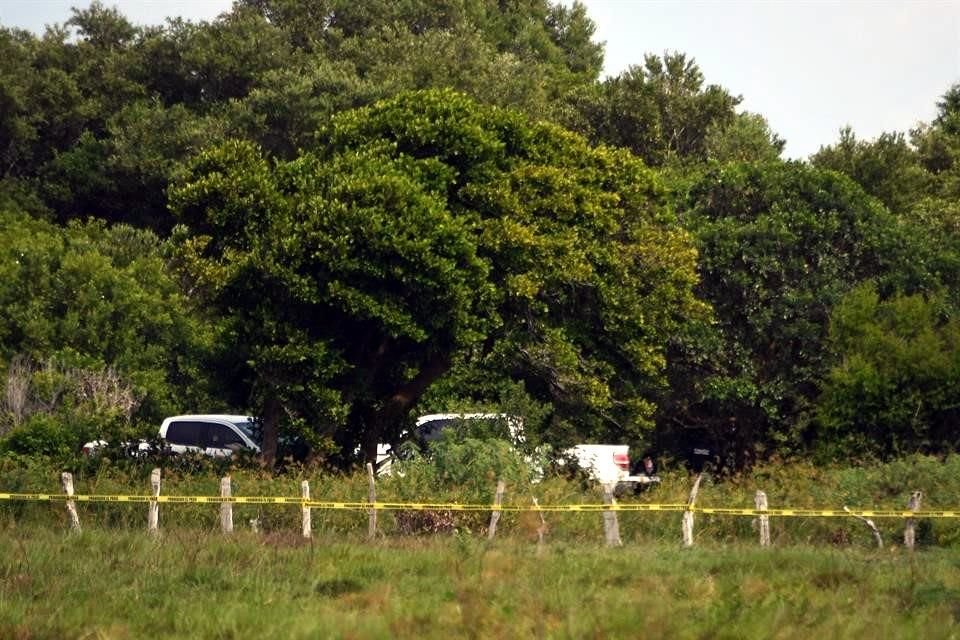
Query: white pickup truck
[608,464]
[214,435]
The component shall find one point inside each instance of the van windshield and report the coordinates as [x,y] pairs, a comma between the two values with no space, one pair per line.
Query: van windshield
[475,427]
[252,430]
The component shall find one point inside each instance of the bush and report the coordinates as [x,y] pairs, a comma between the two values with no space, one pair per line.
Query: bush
[475,463]
[52,436]
[895,388]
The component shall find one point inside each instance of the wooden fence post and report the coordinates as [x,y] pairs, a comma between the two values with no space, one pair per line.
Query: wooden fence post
[687,524]
[761,502]
[542,529]
[611,526]
[66,480]
[305,510]
[910,533]
[495,514]
[153,510]
[226,508]
[371,498]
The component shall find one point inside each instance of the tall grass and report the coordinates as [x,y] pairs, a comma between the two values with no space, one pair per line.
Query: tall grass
[121,584]
[798,485]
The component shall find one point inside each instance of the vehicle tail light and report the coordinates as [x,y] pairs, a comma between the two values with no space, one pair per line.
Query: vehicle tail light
[622,460]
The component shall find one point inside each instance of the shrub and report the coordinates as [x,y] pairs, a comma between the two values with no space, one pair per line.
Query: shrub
[894,389]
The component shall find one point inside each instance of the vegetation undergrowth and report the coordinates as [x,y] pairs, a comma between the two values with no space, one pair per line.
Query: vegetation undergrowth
[788,485]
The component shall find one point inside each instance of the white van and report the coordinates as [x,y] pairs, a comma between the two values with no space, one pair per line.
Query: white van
[210,434]
[608,464]
[215,435]
[431,426]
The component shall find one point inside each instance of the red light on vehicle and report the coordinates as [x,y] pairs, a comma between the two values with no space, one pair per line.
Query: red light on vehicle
[622,460]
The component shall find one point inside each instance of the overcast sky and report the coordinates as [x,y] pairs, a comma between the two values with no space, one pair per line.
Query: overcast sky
[809,67]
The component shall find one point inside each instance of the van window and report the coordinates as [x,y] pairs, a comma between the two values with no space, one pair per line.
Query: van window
[432,430]
[187,433]
[251,429]
[222,436]
[474,427]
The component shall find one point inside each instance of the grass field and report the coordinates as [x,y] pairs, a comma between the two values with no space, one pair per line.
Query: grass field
[198,584]
[821,578]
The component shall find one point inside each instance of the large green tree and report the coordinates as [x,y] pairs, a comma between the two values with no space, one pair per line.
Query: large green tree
[96,298]
[426,228]
[917,177]
[888,167]
[895,385]
[97,113]
[536,31]
[661,110]
[780,244]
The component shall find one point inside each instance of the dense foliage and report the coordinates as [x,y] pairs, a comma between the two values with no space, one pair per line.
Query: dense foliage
[780,244]
[505,237]
[95,332]
[897,385]
[333,214]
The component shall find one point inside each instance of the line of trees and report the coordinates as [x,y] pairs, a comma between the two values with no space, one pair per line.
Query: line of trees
[333,214]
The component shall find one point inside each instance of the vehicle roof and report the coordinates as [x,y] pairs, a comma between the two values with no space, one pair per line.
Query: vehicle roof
[460,416]
[211,416]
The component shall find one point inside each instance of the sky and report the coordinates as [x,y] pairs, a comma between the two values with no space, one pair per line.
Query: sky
[809,67]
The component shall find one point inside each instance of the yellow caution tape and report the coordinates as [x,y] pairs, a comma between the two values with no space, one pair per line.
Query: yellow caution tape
[828,513]
[454,506]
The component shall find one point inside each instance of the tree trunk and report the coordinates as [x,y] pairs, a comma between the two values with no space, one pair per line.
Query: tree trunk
[271,432]
[371,436]
[397,405]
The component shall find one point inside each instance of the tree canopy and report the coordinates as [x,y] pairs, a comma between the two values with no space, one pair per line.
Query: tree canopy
[894,386]
[97,305]
[331,213]
[428,227]
[660,110]
[780,244]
